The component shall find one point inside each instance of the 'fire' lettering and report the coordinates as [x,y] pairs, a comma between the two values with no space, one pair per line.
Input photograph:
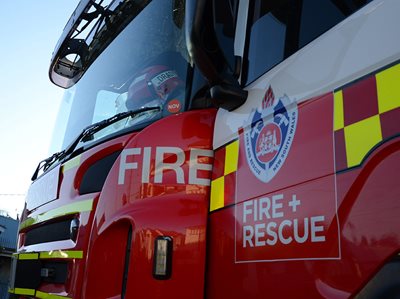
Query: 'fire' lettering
[167,159]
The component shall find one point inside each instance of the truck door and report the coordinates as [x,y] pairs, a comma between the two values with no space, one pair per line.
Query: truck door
[282,209]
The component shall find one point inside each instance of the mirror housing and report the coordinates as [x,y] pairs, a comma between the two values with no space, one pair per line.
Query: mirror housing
[64,71]
[68,67]
[206,54]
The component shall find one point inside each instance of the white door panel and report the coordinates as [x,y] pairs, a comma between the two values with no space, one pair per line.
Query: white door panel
[366,41]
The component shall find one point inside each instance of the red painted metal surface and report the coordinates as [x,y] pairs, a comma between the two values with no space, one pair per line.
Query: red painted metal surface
[318,228]
[168,204]
[368,210]
[69,182]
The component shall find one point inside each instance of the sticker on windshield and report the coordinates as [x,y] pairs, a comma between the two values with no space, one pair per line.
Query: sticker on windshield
[163,77]
[174,106]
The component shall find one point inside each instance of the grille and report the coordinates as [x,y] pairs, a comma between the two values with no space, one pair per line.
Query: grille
[48,233]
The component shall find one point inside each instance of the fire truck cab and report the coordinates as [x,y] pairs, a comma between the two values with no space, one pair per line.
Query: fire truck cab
[220,149]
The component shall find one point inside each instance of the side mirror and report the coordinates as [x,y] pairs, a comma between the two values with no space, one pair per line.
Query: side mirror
[68,56]
[68,67]
[204,49]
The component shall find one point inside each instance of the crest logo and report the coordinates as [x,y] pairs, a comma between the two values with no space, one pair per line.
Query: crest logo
[268,135]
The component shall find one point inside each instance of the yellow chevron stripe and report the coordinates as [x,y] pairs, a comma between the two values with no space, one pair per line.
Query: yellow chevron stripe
[217,194]
[388,89]
[231,157]
[73,208]
[74,162]
[361,137]
[338,111]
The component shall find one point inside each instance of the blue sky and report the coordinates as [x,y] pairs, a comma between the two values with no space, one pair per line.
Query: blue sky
[29,102]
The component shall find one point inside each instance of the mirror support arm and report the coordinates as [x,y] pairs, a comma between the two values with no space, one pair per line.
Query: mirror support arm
[225,90]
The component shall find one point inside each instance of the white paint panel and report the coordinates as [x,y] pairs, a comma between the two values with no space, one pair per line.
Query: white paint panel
[361,44]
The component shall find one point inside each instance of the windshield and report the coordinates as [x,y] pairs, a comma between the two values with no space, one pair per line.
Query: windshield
[146,65]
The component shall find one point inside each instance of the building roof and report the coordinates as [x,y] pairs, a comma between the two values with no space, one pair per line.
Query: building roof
[8,233]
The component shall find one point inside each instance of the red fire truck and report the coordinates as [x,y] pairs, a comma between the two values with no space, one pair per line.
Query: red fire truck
[220,149]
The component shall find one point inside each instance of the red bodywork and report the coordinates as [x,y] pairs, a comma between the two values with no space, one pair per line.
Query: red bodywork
[321,227]
[172,208]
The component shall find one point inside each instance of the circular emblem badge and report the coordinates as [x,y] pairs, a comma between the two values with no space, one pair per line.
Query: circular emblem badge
[174,106]
[268,135]
[268,143]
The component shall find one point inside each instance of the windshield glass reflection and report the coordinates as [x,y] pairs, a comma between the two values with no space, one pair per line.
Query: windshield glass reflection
[145,66]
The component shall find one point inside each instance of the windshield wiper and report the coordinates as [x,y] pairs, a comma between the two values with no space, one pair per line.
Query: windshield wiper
[87,135]
[45,164]
[88,132]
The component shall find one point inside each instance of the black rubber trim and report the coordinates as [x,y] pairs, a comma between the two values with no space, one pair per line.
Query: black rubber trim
[94,178]
[49,233]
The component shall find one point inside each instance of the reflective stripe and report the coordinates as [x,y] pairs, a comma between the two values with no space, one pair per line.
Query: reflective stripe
[224,176]
[388,89]
[217,194]
[37,294]
[28,256]
[338,108]
[73,208]
[61,254]
[74,162]
[231,157]
[361,137]
[366,113]
[21,291]
[44,295]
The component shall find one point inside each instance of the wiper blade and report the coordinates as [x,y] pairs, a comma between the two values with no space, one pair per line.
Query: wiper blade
[86,135]
[46,163]
[88,132]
